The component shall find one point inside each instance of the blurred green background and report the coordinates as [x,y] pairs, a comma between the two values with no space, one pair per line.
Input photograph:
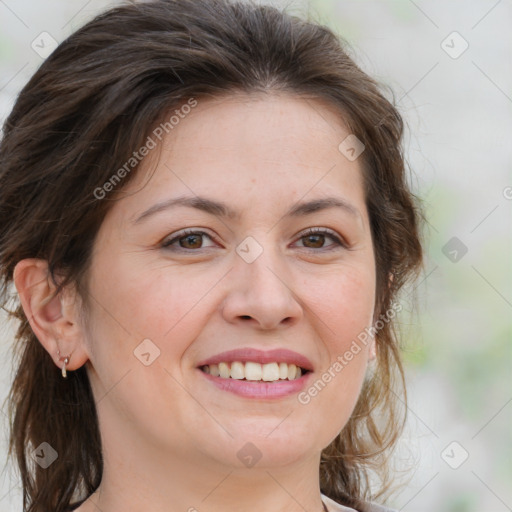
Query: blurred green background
[449,65]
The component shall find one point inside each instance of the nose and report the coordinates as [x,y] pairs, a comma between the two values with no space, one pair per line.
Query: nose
[261,293]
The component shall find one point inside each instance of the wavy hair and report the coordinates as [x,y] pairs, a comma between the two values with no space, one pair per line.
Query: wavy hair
[95,100]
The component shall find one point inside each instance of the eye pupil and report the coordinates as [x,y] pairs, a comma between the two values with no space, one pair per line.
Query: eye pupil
[317,240]
[190,239]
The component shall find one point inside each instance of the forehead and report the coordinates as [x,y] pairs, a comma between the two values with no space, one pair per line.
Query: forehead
[281,125]
[271,147]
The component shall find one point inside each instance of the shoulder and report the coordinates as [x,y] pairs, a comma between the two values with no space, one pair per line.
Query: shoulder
[336,507]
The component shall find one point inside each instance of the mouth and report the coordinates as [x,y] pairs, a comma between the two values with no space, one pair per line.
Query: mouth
[253,371]
[269,382]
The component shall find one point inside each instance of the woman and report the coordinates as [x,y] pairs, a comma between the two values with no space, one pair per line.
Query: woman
[206,218]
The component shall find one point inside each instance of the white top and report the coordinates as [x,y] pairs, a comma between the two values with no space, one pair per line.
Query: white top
[332,506]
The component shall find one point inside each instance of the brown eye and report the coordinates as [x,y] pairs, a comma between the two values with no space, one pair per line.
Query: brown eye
[317,238]
[188,240]
[191,241]
[314,241]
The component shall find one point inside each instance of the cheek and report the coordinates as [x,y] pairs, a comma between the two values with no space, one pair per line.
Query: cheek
[345,304]
[344,308]
[142,301]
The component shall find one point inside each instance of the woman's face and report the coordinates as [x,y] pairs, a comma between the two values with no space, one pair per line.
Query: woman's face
[162,301]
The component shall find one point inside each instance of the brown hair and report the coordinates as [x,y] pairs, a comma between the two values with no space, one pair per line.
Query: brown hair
[93,102]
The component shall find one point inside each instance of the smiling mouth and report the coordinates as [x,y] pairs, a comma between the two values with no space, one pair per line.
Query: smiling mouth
[255,372]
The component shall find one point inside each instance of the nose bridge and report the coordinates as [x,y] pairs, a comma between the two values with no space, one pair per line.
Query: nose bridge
[261,287]
[266,273]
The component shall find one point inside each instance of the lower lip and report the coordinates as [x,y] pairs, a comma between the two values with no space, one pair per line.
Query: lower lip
[259,389]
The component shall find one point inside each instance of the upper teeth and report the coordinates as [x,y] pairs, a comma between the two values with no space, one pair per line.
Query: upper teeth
[254,371]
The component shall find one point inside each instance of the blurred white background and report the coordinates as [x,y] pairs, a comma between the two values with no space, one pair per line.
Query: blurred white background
[450,67]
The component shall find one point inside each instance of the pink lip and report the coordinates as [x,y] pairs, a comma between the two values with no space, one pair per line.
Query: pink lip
[258,356]
[260,390]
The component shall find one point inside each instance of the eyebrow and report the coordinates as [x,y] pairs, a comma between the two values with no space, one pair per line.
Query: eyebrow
[220,209]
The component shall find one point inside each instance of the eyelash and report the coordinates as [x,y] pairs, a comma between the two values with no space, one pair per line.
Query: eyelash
[166,244]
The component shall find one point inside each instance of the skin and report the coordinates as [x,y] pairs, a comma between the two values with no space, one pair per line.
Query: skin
[170,438]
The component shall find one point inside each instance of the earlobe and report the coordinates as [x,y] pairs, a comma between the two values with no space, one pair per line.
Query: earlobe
[53,321]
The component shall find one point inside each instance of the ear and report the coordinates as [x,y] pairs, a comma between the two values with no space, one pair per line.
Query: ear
[372,352]
[53,318]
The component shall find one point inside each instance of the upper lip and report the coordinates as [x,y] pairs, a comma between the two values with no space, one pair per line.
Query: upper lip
[243,355]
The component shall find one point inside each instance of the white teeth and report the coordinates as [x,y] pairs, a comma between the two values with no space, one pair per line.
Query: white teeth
[224,370]
[253,371]
[268,372]
[237,370]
